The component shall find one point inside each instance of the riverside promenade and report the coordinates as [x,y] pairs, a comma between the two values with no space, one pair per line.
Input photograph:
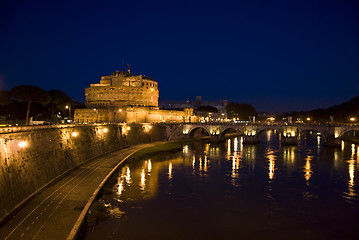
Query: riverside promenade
[58,210]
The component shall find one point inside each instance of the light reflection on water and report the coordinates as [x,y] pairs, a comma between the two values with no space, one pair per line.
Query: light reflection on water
[264,191]
[308,167]
[353,162]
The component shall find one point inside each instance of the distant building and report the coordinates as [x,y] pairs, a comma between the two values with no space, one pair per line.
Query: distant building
[123,97]
[219,104]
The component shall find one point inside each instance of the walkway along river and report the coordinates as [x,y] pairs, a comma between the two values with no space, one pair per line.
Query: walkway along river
[54,212]
[236,191]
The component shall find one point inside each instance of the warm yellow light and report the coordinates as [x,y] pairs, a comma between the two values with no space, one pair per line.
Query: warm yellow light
[148,128]
[23,144]
[170,171]
[75,134]
[271,119]
[149,166]
[271,166]
[105,130]
[308,119]
[94,109]
[308,168]
[128,128]
[67,107]
[120,110]
[352,119]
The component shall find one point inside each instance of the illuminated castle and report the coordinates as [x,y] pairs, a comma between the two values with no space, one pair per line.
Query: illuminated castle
[122,89]
[123,97]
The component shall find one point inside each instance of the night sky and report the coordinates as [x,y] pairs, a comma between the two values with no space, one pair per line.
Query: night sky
[276,55]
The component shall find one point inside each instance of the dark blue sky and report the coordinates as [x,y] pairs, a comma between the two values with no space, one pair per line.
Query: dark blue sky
[276,55]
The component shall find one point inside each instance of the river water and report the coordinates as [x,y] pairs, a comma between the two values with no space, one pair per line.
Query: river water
[236,191]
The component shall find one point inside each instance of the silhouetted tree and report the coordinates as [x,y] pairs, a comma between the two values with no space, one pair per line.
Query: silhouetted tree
[59,100]
[30,94]
[240,110]
[341,112]
[206,110]
[5,98]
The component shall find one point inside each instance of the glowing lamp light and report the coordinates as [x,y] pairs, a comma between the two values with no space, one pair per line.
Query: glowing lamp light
[23,144]
[128,128]
[352,119]
[271,119]
[308,119]
[147,128]
[74,134]
[105,130]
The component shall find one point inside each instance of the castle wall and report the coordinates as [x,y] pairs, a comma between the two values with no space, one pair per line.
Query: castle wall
[103,96]
[31,157]
[133,115]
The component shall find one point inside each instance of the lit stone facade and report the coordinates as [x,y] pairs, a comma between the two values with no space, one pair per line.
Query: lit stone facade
[123,89]
[123,97]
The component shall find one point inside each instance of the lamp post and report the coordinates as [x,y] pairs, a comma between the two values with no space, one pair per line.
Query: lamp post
[69,108]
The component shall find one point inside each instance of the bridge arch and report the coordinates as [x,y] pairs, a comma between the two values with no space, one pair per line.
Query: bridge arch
[322,134]
[268,129]
[193,131]
[346,130]
[227,130]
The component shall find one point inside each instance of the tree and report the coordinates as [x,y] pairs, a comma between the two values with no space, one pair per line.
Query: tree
[240,110]
[59,100]
[5,98]
[206,111]
[30,94]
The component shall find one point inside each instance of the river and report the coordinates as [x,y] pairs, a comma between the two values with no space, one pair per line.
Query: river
[235,191]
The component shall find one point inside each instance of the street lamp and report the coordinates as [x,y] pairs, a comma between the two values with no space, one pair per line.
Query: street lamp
[352,119]
[69,108]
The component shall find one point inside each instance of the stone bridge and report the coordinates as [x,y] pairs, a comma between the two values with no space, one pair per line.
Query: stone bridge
[330,133]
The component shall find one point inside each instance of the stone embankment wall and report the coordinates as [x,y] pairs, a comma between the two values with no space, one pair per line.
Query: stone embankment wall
[31,157]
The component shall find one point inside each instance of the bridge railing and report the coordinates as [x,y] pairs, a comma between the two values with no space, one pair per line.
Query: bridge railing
[276,124]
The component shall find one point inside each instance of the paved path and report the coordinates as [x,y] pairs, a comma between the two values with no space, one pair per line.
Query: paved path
[53,213]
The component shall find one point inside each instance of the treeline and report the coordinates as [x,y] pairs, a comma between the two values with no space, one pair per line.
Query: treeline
[238,111]
[25,101]
[345,112]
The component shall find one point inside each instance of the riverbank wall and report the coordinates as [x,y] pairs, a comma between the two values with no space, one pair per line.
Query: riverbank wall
[33,157]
